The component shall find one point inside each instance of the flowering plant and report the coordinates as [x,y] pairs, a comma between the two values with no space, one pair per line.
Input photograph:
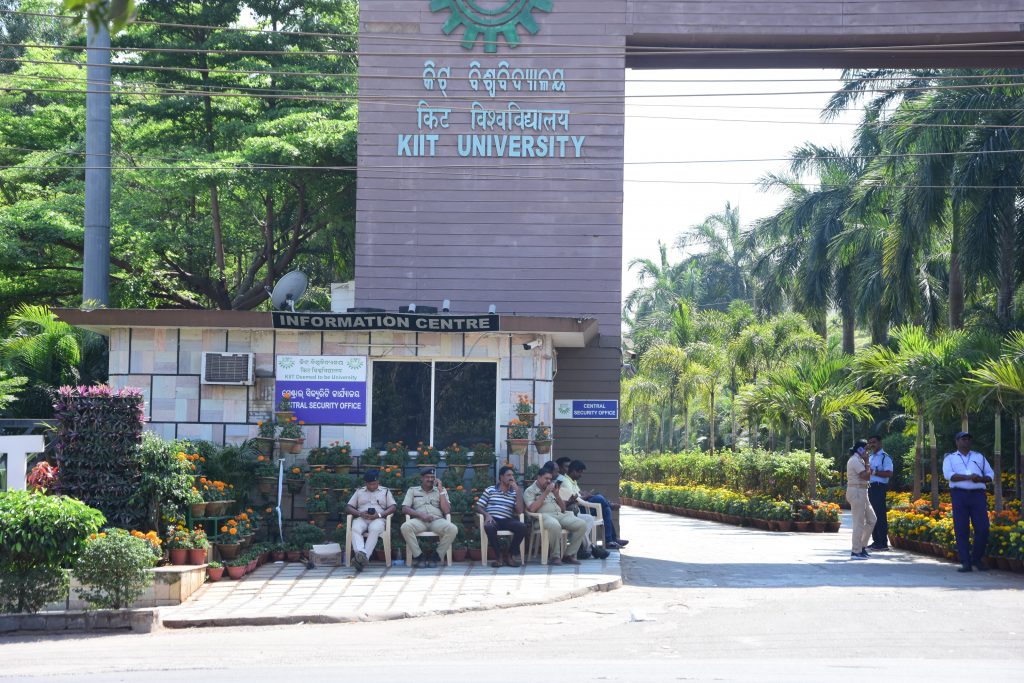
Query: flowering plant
[294,473]
[518,429]
[178,538]
[266,429]
[265,466]
[456,455]
[483,454]
[213,490]
[228,532]
[42,477]
[826,512]
[370,457]
[395,453]
[427,455]
[285,404]
[523,404]
[543,432]
[152,538]
[292,429]
[317,502]
[391,476]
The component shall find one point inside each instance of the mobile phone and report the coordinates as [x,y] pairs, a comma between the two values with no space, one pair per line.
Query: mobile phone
[371,511]
[558,483]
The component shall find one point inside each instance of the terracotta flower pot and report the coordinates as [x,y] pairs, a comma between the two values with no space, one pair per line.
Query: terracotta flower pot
[198,510]
[277,556]
[293,555]
[1003,562]
[197,556]
[251,567]
[801,526]
[818,527]
[518,446]
[265,445]
[832,527]
[178,555]
[295,485]
[236,572]
[228,551]
[319,517]
[284,415]
[528,418]
[214,574]
[543,446]
[267,485]
[785,524]
[474,554]
[459,554]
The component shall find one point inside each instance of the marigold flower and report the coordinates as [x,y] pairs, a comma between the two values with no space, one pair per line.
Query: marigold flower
[232,531]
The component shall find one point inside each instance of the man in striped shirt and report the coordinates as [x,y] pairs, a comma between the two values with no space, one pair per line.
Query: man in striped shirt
[501,506]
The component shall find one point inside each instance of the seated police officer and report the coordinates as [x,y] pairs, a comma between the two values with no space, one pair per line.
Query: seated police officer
[369,507]
[426,506]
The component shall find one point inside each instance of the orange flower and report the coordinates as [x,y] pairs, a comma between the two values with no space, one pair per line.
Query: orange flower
[259,458]
[302,422]
[232,531]
[458,488]
[223,529]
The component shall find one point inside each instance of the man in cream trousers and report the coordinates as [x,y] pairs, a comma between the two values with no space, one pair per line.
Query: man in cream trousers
[862,516]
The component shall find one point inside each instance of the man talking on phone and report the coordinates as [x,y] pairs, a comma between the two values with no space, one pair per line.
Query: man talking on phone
[542,498]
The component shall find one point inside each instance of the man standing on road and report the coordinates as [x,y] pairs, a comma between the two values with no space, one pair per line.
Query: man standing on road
[862,517]
[968,473]
[426,506]
[501,505]
[542,498]
[369,507]
[881,470]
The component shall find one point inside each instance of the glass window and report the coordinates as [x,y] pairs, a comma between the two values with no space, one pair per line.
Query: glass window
[464,403]
[401,402]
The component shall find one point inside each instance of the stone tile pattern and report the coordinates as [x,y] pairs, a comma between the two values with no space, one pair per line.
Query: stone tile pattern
[288,592]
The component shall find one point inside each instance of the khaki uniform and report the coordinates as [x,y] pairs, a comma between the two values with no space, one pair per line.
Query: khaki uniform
[428,502]
[554,520]
[364,499]
[569,489]
[862,516]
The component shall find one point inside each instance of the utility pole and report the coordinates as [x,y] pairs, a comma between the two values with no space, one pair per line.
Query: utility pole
[96,253]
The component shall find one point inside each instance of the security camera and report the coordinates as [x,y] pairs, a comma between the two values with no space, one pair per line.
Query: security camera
[530,345]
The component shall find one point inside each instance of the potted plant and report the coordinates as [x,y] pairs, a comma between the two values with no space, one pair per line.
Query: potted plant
[198,546]
[457,459]
[318,507]
[524,409]
[339,455]
[473,547]
[218,495]
[266,474]
[427,455]
[459,551]
[278,552]
[291,437]
[542,439]
[370,457]
[295,480]
[236,567]
[518,437]
[214,571]
[227,544]
[284,411]
[177,543]
[395,453]
[196,504]
[391,477]
[266,431]
[293,552]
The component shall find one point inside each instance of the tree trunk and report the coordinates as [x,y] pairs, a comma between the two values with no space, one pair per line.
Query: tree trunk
[686,417]
[997,461]
[849,320]
[918,457]
[956,281]
[812,474]
[711,421]
[1007,263]
[934,464]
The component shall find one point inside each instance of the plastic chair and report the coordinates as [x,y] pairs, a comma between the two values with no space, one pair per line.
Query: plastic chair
[595,510]
[539,532]
[385,537]
[427,534]
[484,541]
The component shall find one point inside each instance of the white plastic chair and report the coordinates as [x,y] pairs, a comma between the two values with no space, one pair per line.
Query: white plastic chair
[595,510]
[484,541]
[539,532]
[427,534]
[385,537]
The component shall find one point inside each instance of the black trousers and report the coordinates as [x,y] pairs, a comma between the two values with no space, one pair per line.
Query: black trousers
[518,529]
[876,496]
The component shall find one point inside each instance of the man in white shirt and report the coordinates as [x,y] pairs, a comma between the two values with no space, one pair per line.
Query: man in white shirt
[968,473]
[878,485]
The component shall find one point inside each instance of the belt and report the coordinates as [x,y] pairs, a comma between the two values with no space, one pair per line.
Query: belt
[879,483]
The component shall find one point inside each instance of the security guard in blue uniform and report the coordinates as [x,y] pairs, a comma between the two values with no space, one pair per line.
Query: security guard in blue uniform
[968,473]
[881,471]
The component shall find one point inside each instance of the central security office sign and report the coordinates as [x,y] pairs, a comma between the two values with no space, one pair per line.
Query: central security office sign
[394,322]
[326,390]
[587,409]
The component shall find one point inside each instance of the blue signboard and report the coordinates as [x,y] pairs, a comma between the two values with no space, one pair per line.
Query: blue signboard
[587,409]
[324,390]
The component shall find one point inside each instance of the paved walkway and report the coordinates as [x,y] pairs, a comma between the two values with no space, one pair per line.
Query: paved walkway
[288,593]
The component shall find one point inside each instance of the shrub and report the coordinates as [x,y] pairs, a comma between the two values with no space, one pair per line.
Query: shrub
[99,431]
[167,476]
[306,535]
[39,536]
[114,569]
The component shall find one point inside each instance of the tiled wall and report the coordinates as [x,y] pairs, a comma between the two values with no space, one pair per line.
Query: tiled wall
[166,362]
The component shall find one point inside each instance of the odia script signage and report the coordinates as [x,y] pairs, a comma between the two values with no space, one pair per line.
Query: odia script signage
[397,322]
[328,390]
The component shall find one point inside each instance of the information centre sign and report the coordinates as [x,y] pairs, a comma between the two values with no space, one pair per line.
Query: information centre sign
[395,322]
[326,390]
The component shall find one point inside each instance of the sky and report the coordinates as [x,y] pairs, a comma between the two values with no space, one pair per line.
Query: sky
[660,128]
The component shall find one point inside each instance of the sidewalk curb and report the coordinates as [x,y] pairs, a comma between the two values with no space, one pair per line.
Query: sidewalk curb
[295,619]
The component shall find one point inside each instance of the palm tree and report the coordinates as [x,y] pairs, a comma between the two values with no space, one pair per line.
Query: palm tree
[9,387]
[49,353]
[725,261]
[813,393]
[641,397]
[1004,377]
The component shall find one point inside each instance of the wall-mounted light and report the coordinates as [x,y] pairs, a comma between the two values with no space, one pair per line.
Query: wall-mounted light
[492,309]
[412,308]
[446,306]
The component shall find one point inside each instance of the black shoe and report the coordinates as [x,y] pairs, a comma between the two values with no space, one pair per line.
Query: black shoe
[622,543]
[878,548]
[964,569]
[433,559]
[600,553]
[582,554]
[420,561]
[980,567]
[612,545]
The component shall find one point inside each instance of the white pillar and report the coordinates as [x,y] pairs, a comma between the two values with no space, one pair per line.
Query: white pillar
[18,449]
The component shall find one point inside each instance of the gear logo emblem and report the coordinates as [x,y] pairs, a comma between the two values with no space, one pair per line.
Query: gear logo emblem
[503,20]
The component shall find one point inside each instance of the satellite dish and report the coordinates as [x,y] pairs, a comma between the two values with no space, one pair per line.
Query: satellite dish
[288,290]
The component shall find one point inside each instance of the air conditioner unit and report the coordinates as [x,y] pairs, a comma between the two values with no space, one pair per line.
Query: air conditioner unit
[227,368]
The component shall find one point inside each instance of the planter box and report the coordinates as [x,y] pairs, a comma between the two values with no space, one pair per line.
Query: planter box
[137,620]
[172,585]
